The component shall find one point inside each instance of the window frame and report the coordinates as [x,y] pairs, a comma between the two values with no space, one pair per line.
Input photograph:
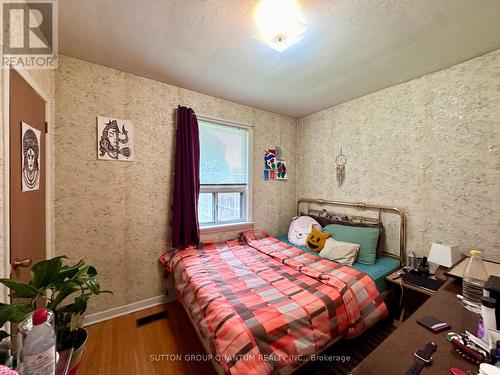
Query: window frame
[244,189]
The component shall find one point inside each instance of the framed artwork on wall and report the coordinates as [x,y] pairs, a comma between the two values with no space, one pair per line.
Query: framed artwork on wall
[269,159]
[30,148]
[281,170]
[274,167]
[115,139]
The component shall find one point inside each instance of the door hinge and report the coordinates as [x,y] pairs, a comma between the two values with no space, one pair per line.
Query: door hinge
[46,127]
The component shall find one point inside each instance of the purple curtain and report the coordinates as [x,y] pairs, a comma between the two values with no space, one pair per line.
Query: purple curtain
[185,226]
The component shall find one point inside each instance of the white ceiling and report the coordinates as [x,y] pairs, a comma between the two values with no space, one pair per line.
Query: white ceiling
[352,47]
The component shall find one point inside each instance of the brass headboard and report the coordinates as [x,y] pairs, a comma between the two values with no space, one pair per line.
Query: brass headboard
[364,207]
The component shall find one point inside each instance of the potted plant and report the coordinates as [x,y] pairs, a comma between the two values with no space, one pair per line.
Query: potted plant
[63,289]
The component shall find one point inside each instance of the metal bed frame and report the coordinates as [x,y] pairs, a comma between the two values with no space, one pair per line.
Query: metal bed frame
[366,207]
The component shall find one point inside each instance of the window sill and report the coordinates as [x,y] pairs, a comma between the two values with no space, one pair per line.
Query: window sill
[226,227]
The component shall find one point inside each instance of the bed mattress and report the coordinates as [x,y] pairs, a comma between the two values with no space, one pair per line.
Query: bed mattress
[264,305]
[382,268]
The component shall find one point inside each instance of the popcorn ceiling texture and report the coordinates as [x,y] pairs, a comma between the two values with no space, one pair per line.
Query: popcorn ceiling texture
[116,214]
[430,146]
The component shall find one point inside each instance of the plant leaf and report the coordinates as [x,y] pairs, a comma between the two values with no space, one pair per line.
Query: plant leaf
[82,273]
[70,271]
[14,313]
[93,285]
[46,271]
[63,290]
[70,308]
[3,335]
[19,289]
[92,272]
[5,314]
[21,312]
[81,303]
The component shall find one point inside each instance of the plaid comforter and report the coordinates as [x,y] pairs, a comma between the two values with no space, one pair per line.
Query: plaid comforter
[264,305]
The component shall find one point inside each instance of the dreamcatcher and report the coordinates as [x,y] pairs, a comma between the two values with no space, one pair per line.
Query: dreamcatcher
[340,162]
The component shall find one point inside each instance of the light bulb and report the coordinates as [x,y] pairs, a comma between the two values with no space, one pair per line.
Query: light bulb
[280,22]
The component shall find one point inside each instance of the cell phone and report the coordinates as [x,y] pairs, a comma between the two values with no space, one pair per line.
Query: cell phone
[433,324]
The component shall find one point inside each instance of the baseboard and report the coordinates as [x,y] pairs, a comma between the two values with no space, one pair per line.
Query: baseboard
[126,309]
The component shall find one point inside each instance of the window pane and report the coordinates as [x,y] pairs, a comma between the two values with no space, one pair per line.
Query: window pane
[224,153]
[229,206]
[206,208]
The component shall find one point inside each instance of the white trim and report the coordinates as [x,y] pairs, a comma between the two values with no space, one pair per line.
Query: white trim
[127,309]
[250,175]
[249,186]
[226,227]
[224,188]
[49,250]
[224,122]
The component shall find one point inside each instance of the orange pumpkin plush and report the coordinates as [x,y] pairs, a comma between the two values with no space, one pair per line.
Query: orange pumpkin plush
[316,240]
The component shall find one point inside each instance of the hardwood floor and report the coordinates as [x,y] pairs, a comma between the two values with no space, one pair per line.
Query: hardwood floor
[119,347]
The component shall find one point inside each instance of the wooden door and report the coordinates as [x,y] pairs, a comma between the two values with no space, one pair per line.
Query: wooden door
[27,208]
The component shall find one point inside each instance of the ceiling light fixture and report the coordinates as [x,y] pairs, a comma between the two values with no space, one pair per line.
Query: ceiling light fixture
[280,23]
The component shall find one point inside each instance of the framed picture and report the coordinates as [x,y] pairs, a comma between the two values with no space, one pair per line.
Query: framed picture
[30,158]
[115,139]
[281,170]
[270,159]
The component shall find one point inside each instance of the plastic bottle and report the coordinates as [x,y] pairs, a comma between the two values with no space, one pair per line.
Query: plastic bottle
[475,276]
[488,318]
[39,351]
[412,260]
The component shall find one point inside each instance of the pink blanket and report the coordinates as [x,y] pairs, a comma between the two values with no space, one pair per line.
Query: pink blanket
[263,304]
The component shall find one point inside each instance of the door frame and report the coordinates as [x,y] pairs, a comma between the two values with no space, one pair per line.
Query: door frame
[49,248]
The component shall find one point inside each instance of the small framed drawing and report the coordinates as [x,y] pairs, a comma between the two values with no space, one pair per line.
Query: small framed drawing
[30,158]
[281,170]
[269,159]
[115,139]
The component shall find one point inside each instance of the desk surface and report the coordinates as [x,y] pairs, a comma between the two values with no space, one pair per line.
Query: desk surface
[397,279]
[395,354]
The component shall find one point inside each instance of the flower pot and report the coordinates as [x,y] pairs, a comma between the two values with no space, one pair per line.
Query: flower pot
[79,349]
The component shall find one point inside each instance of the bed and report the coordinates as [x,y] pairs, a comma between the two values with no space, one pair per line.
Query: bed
[263,306]
[384,265]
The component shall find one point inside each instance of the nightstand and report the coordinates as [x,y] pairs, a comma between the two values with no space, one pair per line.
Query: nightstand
[408,297]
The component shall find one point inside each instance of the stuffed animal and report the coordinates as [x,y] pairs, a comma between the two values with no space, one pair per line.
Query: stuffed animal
[316,240]
[300,229]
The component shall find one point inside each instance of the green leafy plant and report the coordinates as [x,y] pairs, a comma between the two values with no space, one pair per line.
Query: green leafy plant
[64,289]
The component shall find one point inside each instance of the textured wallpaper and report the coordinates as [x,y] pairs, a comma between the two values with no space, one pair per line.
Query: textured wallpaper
[116,214]
[430,146]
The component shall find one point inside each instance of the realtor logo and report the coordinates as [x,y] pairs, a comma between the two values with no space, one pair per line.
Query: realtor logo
[30,34]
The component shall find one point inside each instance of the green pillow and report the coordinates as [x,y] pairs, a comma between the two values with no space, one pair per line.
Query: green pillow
[367,238]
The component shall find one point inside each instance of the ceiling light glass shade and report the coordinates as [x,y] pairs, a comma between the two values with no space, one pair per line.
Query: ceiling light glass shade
[280,23]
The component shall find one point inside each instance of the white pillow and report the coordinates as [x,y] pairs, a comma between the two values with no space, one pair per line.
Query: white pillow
[341,252]
[300,229]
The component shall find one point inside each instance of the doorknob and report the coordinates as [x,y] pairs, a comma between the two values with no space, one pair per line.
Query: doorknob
[21,263]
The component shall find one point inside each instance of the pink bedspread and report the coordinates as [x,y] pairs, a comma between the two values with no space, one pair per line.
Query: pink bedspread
[263,304]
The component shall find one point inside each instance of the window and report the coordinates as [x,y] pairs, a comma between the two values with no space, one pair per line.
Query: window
[224,173]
